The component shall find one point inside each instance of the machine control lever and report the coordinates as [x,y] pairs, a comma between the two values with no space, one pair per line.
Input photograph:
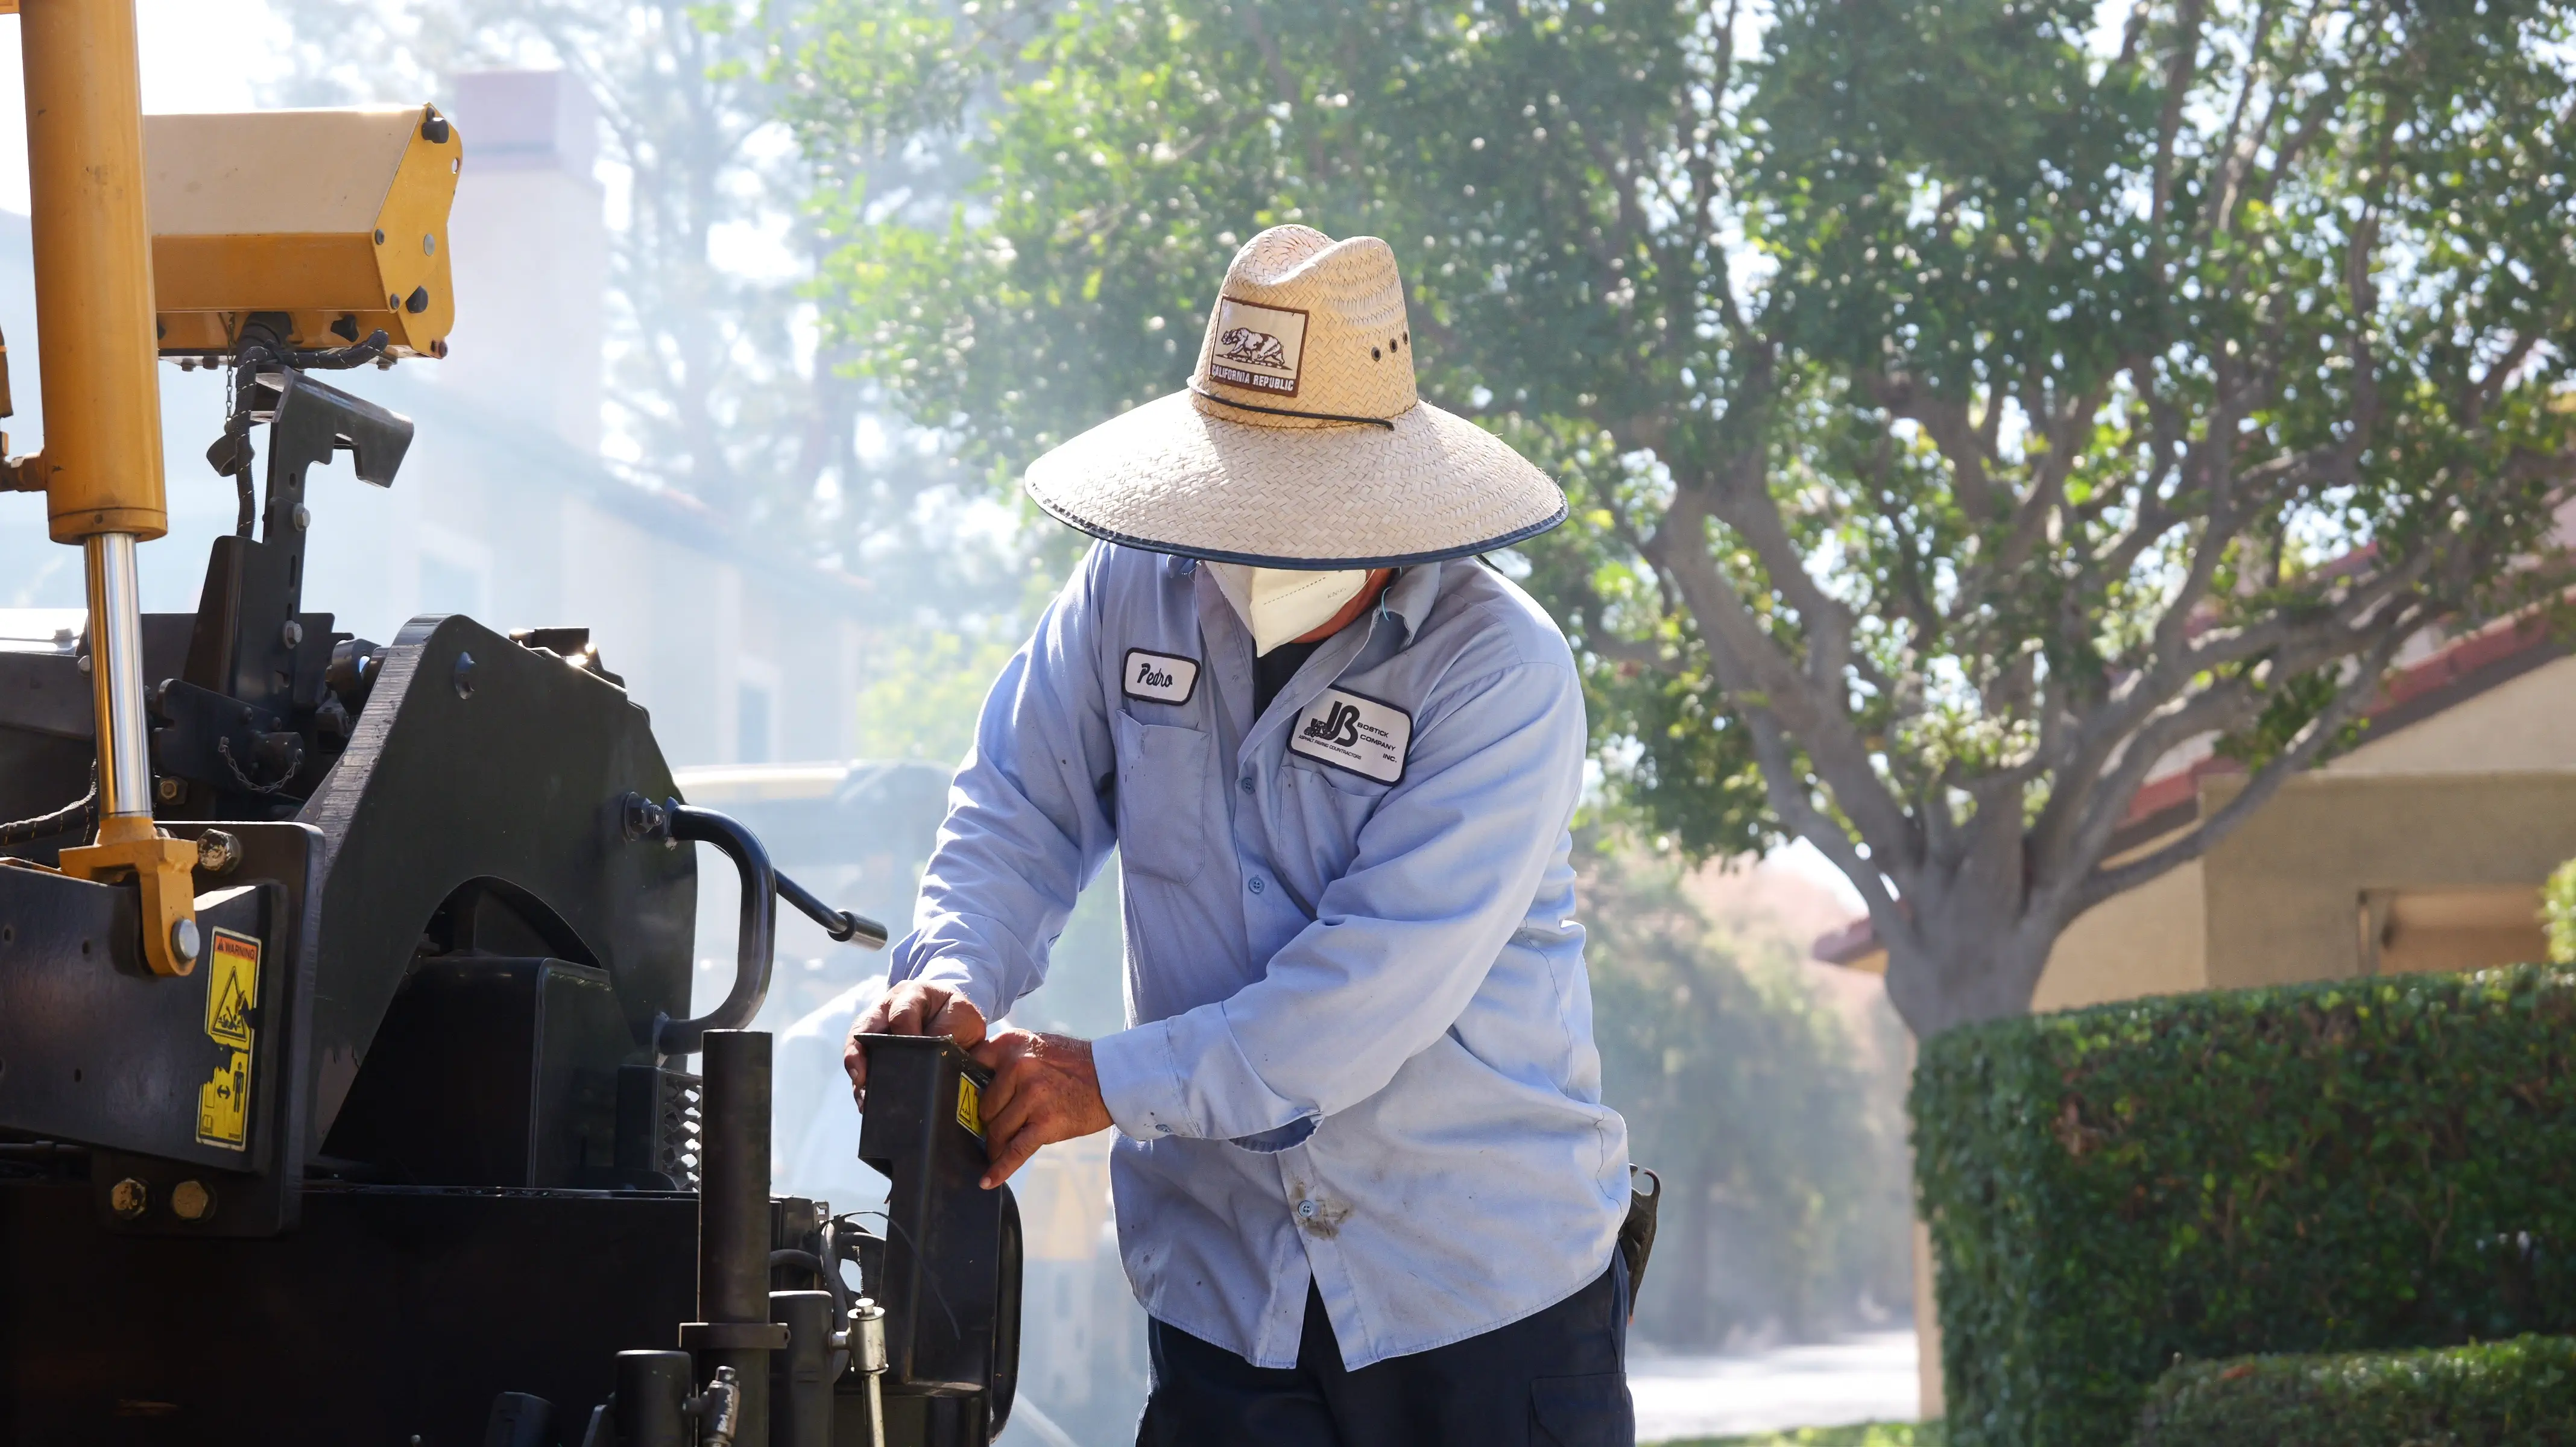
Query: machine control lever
[755,947]
[762,887]
[840,924]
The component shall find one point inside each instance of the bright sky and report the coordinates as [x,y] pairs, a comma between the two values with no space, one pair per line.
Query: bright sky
[198,55]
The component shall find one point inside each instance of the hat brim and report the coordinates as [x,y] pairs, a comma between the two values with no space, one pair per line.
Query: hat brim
[1173,478]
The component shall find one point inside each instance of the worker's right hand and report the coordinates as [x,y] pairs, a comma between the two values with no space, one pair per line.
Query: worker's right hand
[914,1007]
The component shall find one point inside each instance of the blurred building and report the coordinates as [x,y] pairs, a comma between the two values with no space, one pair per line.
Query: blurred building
[2424,847]
[504,509]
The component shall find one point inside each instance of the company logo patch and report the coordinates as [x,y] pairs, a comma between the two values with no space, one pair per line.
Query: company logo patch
[1158,677]
[1358,734]
[1258,346]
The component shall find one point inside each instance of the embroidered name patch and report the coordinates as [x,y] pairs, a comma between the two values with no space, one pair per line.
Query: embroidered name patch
[1158,677]
[1362,735]
[1257,346]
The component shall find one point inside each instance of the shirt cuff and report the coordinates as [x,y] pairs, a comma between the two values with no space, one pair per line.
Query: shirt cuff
[956,973]
[1140,1081]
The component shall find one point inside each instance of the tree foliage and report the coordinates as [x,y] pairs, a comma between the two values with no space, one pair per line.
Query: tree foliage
[1785,1204]
[1967,407]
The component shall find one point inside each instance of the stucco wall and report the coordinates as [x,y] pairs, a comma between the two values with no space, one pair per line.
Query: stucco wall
[2522,723]
[2284,893]
[2479,797]
[2152,940]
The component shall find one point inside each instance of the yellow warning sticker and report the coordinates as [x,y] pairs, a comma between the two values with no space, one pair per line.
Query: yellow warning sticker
[232,993]
[223,1104]
[232,989]
[970,1106]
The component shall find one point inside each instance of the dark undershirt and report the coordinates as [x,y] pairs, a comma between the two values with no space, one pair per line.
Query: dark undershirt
[1272,670]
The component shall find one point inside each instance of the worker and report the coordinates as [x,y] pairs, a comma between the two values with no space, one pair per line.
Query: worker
[1366,1188]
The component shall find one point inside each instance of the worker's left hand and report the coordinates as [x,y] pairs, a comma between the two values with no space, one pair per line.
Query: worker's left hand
[1044,1090]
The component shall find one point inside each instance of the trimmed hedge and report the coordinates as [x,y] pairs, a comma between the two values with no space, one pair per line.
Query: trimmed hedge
[1861,1434]
[2365,1164]
[2519,1393]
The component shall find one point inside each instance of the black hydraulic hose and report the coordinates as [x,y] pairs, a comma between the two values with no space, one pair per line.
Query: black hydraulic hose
[832,1282]
[72,818]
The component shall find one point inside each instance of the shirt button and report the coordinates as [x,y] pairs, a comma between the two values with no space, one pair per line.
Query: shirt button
[1247,783]
[1306,1209]
[1256,884]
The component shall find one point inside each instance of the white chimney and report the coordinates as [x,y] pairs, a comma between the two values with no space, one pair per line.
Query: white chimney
[531,251]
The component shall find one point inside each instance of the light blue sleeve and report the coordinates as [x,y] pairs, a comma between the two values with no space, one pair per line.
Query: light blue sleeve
[1445,872]
[1028,822]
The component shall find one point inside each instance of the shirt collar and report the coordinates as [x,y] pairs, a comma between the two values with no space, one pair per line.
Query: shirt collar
[1408,599]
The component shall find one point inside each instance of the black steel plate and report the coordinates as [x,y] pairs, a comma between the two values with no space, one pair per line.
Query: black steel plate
[394,1315]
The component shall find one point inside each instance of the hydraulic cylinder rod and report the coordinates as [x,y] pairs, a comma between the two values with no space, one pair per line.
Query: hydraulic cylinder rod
[116,638]
[97,349]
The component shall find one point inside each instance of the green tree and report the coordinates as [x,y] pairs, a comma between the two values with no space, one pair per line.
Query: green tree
[1966,411]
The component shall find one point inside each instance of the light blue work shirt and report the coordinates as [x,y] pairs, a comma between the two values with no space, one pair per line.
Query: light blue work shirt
[1361,1033]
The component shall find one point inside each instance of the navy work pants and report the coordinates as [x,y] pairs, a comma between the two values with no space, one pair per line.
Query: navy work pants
[1555,1379]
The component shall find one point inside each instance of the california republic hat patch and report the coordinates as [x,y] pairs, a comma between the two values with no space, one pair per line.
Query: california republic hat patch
[1257,346]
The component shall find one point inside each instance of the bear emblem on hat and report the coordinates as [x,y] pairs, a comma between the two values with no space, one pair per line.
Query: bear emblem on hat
[1261,349]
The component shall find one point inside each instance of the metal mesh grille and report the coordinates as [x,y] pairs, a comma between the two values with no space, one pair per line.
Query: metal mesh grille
[679,1128]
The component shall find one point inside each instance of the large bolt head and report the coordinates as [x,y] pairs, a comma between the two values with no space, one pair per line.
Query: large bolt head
[129,1199]
[183,939]
[191,1201]
[218,852]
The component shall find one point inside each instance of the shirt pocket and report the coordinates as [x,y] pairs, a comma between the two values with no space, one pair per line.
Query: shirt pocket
[1323,817]
[1162,798]
[1588,1411]
[1345,785]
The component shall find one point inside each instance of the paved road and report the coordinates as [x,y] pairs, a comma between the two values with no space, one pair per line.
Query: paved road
[1858,1379]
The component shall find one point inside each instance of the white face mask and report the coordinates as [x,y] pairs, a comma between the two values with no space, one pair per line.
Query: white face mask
[1282,604]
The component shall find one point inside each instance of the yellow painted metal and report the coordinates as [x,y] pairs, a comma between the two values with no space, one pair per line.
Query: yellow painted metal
[96,361]
[162,868]
[95,348]
[337,218]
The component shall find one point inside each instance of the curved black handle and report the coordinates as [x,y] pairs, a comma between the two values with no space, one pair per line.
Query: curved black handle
[755,947]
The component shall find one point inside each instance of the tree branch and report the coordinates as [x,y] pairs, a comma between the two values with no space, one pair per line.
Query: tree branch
[2105,882]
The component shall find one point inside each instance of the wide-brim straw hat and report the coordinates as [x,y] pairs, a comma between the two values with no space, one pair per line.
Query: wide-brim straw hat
[1299,442]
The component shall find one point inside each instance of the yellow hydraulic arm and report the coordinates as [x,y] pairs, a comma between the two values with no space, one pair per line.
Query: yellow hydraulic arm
[333,220]
[101,465]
